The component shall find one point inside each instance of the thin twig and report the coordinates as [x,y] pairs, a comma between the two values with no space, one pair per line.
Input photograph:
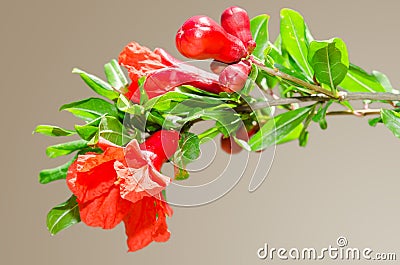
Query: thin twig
[320,98]
[277,73]
[358,113]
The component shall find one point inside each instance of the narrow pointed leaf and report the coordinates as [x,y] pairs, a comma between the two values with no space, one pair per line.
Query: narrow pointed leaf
[53,174]
[259,31]
[65,148]
[358,80]
[91,109]
[112,130]
[391,119]
[99,86]
[276,129]
[63,216]
[385,82]
[294,39]
[115,75]
[51,130]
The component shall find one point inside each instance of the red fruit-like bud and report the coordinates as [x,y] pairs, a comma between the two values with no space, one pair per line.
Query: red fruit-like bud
[200,38]
[230,146]
[163,143]
[235,75]
[235,21]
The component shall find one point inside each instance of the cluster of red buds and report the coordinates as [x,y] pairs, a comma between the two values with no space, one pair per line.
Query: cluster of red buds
[230,45]
[200,37]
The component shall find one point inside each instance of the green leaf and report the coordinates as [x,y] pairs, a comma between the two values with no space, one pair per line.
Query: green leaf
[294,39]
[374,121]
[51,130]
[227,121]
[320,116]
[329,60]
[86,132]
[65,148]
[143,94]
[99,86]
[63,216]
[115,76]
[125,105]
[181,173]
[358,80]
[385,82]
[278,128]
[60,172]
[259,31]
[208,135]
[293,135]
[304,134]
[111,129]
[391,119]
[91,109]
[189,144]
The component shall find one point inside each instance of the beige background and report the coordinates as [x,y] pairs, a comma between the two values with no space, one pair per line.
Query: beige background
[344,183]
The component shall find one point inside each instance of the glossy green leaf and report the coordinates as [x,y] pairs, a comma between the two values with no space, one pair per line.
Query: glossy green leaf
[358,80]
[125,105]
[51,130]
[60,172]
[63,216]
[65,148]
[320,116]
[293,135]
[88,130]
[304,134]
[385,82]
[112,129]
[143,94]
[99,86]
[208,135]
[329,60]
[294,40]
[227,121]
[259,31]
[278,128]
[189,144]
[115,75]
[391,119]
[91,109]
[374,121]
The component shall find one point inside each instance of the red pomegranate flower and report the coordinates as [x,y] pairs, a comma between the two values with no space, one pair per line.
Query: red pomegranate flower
[163,72]
[124,184]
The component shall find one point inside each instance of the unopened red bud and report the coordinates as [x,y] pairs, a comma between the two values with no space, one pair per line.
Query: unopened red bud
[229,144]
[162,81]
[200,38]
[163,144]
[235,75]
[236,22]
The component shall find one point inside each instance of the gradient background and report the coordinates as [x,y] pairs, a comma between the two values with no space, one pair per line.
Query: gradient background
[344,183]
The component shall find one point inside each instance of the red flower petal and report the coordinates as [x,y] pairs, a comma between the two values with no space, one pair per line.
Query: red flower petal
[139,61]
[146,223]
[92,175]
[135,184]
[105,211]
